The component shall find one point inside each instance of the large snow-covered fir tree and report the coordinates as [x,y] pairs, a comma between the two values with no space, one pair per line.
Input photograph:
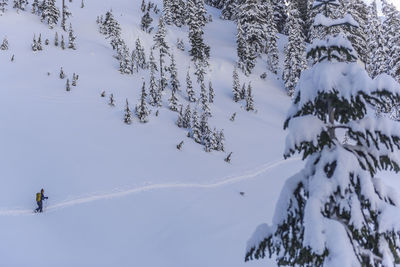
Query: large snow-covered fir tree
[336,211]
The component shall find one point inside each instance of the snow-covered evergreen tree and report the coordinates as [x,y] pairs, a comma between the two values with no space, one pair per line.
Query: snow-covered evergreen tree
[111,101]
[243,92]
[39,43]
[146,22]
[189,88]
[195,130]
[246,54]
[67,86]
[175,84]
[199,51]
[220,138]
[179,122]
[36,7]
[249,98]
[167,13]
[318,12]
[56,39]
[74,79]
[34,43]
[71,38]
[154,90]
[62,42]
[253,24]
[180,45]
[178,12]
[391,26]
[211,93]
[173,100]
[295,51]
[128,113]
[112,29]
[65,14]
[142,112]
[280,14]
[50,13]
[377,62]
[205,107]
[125,66]
[230,9]
[3,4]
[236,85]
[62,74]
[187,117]
[4,45]
[161,44]
[140,55]
[358,35]
[20,4]
[143,6]
[272,37]
[336,212]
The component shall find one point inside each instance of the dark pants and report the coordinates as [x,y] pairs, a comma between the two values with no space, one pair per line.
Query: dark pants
[40,206]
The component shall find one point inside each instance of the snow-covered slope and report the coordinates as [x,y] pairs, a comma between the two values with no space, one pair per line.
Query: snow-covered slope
[124,195]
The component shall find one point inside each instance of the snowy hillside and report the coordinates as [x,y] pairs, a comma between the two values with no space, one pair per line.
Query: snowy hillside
[124,195]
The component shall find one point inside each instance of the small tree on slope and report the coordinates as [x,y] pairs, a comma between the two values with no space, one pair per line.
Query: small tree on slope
[336,212]
[142,112]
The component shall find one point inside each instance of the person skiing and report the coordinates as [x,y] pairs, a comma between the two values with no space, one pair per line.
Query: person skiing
[39,200]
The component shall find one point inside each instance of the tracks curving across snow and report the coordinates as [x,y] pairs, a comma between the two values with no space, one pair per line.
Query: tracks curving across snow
[121,193]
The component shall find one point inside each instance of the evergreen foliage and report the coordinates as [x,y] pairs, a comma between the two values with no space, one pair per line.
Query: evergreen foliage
[50,13]
[3,4]
[142,112]
[128,114]
[161,44]
[236,85]
[71,38]
[65,14]
[336,211]
[155,92]
[391,26]
[249,99]
[20,4]
[4,45]
[199,51]
[145,23]
[295,51]
[189,88]
[211,93]
[377,59]
[175,84]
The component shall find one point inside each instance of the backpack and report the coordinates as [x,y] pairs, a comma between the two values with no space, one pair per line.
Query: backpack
[38,197]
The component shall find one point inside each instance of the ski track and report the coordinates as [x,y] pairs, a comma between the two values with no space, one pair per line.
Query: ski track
[117,194]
